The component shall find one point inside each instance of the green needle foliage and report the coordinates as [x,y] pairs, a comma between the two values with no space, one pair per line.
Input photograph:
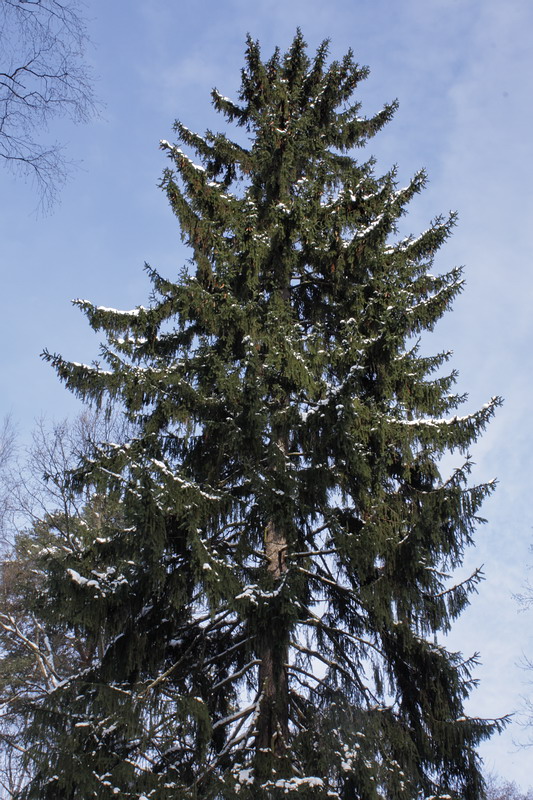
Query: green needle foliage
[272,591]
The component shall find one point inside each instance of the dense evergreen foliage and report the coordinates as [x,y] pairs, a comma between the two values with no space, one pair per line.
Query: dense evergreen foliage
[273,584]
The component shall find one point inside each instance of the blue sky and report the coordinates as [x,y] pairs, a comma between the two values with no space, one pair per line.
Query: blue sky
[463,73]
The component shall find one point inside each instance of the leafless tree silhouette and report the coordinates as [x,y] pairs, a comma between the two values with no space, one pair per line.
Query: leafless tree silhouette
[43,74]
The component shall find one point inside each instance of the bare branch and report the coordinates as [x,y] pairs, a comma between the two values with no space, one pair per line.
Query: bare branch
[7,450]
[43,75]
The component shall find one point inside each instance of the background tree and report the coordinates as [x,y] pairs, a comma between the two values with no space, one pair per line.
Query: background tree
[46,520]
[525,600]
[42,75]
[499,789]
[274,587]
[7,449]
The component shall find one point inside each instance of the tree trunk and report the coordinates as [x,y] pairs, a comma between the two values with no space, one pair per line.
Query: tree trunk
[273,722]
[273,718]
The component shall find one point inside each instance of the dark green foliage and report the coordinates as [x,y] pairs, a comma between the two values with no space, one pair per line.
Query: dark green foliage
[279,573]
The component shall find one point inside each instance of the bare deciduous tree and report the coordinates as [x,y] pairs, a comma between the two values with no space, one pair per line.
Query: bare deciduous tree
[525,717]
[7,447]
[46,517]
[500,789]
[43,74]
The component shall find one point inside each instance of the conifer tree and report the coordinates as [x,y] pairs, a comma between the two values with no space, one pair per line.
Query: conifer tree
[273,594]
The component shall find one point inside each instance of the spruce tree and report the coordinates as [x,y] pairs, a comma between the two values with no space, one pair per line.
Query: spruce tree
[273,591]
